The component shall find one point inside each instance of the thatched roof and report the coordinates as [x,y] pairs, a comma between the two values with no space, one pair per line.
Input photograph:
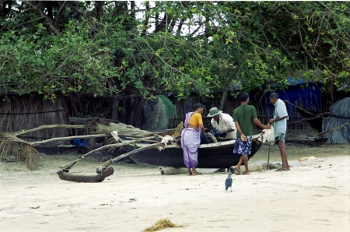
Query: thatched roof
[30,111]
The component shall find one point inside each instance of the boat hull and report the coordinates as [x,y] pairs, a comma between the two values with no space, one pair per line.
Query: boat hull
[216,155]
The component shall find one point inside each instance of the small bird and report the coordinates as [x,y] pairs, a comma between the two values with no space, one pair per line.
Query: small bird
[228,182]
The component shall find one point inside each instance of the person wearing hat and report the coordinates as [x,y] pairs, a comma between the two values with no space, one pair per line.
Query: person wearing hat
[223,123]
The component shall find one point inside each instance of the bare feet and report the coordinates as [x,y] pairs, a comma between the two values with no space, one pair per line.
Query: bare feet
[238,169]
[234,170]
[246,173]
[196,173]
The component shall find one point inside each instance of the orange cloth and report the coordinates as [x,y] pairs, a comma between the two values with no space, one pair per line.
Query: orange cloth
[196,120]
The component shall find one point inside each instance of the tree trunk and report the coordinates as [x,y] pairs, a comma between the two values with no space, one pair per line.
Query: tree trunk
[59,15]
[139,113]
[2,9]
[115,109]
[99,9]
[223,100]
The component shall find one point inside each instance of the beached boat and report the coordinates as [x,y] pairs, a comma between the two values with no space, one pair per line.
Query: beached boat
[213,155]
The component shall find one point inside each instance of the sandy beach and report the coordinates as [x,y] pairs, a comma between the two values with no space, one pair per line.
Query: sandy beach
[313,196]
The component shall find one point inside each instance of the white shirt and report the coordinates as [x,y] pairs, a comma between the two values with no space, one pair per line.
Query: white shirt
[280,127]
[225,122]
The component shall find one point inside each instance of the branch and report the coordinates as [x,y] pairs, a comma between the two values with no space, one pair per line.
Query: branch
[47,18]
[143,33]
[163,23]
[59,14]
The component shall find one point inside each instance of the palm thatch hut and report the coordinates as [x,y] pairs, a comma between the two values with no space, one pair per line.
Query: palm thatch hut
[20,113]
[29,111]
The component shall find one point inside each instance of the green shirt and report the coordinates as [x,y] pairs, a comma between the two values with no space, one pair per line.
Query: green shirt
[244,115]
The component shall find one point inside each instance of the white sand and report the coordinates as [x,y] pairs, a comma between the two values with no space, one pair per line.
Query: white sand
[313,196]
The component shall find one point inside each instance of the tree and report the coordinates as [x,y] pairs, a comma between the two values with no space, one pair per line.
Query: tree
[211,48]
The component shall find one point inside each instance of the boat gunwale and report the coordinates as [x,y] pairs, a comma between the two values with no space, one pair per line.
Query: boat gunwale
[203,146]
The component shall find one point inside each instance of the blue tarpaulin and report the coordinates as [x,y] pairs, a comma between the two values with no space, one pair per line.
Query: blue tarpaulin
[79,142]
[304,95]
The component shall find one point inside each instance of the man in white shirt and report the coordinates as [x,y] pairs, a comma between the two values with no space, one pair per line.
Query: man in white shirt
[279,121]
[223,123]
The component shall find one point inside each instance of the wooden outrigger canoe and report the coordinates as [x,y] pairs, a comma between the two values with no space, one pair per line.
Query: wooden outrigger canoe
[213,155]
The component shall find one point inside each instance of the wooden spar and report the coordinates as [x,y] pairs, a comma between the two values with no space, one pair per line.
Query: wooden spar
[298,107]
[112,161]
[9,141]
[144,140]
[318,115]
[305,119]
[333,129]
[69,165]
[69,138]
[313,118]
[49,127]
[103,171]
[12,138]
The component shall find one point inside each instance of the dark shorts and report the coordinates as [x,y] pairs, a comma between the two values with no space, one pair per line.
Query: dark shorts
[281,137]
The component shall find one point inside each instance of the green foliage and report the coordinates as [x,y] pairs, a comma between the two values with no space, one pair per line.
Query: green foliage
[61,47]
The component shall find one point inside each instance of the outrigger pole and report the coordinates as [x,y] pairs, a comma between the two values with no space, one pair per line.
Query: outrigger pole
[105,169]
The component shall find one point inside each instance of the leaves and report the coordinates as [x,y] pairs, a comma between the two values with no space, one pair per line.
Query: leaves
[180,47]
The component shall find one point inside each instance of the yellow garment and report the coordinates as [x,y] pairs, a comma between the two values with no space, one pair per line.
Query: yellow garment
[196,120]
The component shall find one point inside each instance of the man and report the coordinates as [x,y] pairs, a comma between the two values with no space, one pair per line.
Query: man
[223,124]
[245,115]
[279,121]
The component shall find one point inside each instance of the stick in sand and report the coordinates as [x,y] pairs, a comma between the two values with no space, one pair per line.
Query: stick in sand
[268,158]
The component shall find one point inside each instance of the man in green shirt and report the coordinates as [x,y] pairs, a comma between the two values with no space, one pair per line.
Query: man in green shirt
[244,117]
